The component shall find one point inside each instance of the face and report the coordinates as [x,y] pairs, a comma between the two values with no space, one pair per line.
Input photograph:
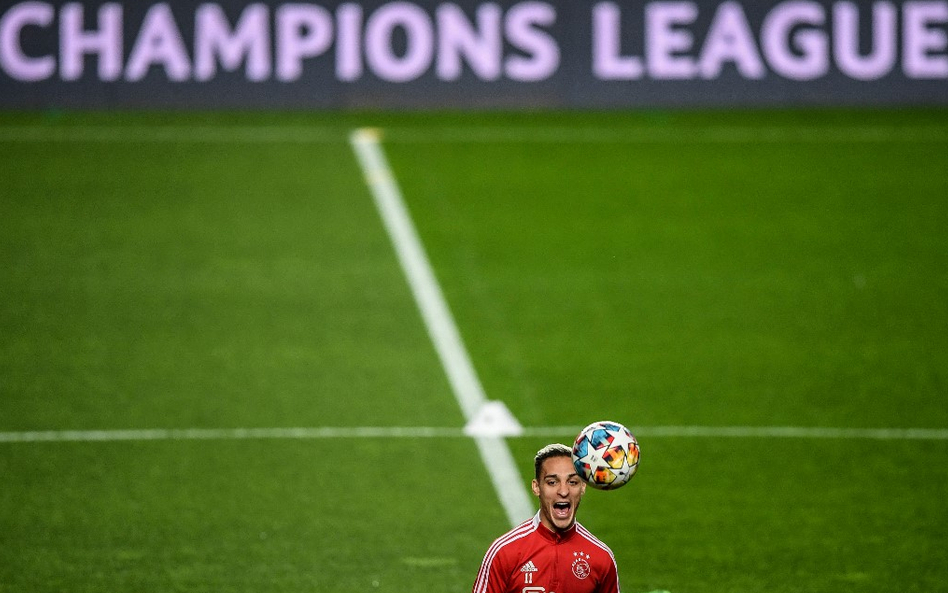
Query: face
[559,489]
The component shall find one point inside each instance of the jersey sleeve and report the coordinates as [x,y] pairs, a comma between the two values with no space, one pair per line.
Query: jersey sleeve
[492,576]
[610,581]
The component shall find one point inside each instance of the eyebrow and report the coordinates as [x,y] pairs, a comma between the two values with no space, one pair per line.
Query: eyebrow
[572,475]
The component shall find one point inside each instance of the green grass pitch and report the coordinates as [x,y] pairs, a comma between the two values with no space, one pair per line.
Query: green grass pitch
[690,269]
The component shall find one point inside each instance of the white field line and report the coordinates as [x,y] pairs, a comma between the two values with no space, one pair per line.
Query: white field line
[438,319]
[421,279]
[423,432]
[763,432]
[666,135]
[644,134]
[230,434]
[200,134]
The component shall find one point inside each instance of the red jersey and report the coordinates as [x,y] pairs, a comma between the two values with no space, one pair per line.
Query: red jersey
[532,559]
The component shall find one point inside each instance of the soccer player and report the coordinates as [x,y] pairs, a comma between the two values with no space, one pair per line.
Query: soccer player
[550,553]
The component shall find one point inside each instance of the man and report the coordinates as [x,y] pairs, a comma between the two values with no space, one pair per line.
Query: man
[550,553]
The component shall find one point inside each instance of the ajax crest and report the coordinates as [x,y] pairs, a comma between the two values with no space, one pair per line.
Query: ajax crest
[580,565]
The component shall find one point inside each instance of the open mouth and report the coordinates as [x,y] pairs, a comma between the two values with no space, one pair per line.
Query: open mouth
[561,509]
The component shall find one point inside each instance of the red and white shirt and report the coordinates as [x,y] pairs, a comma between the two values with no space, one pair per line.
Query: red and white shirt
[532,559]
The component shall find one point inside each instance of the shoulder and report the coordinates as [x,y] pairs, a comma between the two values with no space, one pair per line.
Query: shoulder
[602,559]
[501,556]
[509,540]
[595,541]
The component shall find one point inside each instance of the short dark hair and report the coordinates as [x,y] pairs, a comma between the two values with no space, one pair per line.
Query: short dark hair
[551,450]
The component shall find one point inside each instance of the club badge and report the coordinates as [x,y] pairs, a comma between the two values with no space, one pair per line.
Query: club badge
[581,568]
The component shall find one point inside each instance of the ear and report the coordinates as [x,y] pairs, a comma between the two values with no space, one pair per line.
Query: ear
[536,487]
[582,489]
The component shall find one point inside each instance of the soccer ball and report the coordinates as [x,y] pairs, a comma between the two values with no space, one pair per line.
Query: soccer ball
[606,455]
